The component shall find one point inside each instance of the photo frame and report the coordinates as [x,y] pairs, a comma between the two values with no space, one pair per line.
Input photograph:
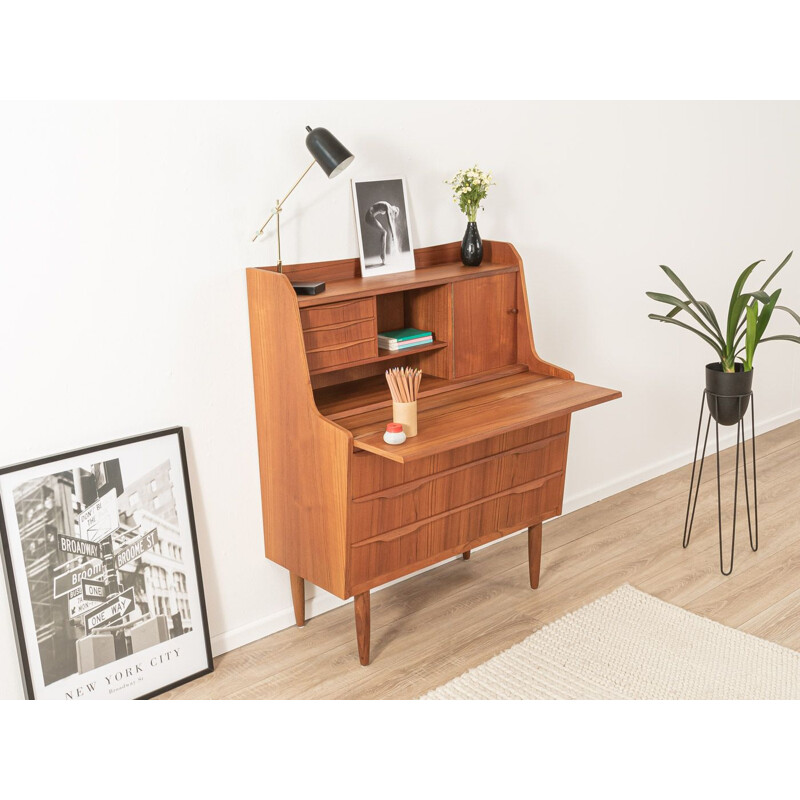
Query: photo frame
[102,569]
[382,222]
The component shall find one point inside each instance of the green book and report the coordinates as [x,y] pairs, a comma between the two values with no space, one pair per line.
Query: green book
[402,334]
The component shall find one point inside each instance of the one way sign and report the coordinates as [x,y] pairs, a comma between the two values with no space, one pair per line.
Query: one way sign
[111,611]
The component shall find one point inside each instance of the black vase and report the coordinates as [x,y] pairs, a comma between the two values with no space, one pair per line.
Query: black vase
[728,393]
[472,246]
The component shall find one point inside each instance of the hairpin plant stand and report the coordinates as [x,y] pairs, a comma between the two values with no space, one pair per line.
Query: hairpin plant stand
[708,400]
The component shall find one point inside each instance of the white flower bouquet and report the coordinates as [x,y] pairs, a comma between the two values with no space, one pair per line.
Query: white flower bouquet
[470,187]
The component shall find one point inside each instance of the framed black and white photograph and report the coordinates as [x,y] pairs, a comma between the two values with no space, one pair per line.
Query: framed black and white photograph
[382,222]
[102,569]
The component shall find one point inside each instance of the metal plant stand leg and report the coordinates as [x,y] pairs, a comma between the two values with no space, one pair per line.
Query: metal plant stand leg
[741,454]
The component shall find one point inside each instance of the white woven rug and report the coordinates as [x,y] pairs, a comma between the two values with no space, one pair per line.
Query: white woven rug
[630,645]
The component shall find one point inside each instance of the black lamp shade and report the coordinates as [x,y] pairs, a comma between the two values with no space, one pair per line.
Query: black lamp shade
[328,151]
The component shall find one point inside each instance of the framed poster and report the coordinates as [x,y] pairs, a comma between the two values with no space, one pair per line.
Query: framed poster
[102,570]
[384,233]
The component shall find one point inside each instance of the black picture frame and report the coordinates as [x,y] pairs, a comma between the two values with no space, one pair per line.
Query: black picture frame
[123,672]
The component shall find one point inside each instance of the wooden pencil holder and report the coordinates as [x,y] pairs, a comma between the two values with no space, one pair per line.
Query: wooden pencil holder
[406,415]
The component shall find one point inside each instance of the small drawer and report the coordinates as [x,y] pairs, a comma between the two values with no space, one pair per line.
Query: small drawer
[337,354]
[372,472]
[331,313]
[426,497]
[405,550]
[339,333]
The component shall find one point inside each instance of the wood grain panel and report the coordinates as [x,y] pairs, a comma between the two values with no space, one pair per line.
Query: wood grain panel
[432,310]
[389,555]
[425,497]
[402,281]
[457,424]
[304,458]
[356,394]
[373,473]
[339,333]
[486,313]
[342,311]
[336,355]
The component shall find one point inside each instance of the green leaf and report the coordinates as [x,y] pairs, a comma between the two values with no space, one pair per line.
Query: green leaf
[737,308]
[678,303]
[709,312]
[712,317]
[784,337]
[777,270]
[705,338]
[678,282]
[735,297]
[750,338]
[764,316]
[789,311]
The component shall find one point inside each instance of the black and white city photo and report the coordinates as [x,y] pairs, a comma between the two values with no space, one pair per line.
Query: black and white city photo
[382,221]
[101,557]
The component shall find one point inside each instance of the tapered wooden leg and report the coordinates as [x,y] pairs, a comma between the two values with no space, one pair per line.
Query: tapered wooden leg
[298,599]
[534,553]
[466,554]
[361,603]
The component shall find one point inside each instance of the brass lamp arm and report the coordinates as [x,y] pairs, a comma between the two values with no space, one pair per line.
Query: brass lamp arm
[279,207]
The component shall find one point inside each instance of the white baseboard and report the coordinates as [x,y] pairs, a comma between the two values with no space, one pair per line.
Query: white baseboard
[319,604]
[726,439]
[258,629]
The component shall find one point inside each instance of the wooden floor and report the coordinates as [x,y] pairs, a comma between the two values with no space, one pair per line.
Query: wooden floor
[433,627]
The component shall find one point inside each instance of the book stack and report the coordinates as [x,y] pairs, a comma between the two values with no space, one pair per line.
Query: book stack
[404,338]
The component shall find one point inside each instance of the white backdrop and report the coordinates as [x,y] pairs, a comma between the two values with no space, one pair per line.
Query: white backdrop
[125,230]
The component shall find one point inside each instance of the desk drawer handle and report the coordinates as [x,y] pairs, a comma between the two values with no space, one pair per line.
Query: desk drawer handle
[340,304]
[398,533]
[513,311]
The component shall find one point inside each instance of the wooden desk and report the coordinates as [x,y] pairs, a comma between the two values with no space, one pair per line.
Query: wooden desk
[348,512]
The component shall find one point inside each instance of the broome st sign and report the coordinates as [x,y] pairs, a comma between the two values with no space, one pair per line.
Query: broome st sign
[136,548]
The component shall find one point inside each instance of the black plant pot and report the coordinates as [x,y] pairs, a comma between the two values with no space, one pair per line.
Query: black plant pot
[472,246]
[728,393]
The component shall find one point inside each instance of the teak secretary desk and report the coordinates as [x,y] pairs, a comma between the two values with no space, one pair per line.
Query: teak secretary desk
[347,511]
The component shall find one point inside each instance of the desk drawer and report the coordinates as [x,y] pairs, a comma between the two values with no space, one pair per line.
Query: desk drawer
[339,333]
[397,506]
[390,555]
[372,473]
[331,313]
[335,354]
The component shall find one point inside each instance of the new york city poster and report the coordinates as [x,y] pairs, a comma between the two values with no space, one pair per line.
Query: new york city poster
[101,563]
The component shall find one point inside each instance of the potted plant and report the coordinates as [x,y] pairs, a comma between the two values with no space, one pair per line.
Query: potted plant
[470,187]
[729,380]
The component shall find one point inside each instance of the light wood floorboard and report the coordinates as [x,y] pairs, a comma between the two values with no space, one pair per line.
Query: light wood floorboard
[436,625]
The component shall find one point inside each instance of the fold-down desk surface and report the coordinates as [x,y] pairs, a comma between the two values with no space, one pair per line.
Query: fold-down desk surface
[470,414]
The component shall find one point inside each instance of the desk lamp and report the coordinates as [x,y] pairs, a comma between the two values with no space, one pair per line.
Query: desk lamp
[334,158]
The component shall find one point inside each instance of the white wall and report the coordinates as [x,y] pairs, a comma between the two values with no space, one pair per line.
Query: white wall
[125,231]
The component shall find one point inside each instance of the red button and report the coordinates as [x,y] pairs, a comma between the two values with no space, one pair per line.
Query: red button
[394,427]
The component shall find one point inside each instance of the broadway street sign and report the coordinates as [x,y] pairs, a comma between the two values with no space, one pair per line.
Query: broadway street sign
[109,612]
[78,547]
[72,580]
[136,548]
